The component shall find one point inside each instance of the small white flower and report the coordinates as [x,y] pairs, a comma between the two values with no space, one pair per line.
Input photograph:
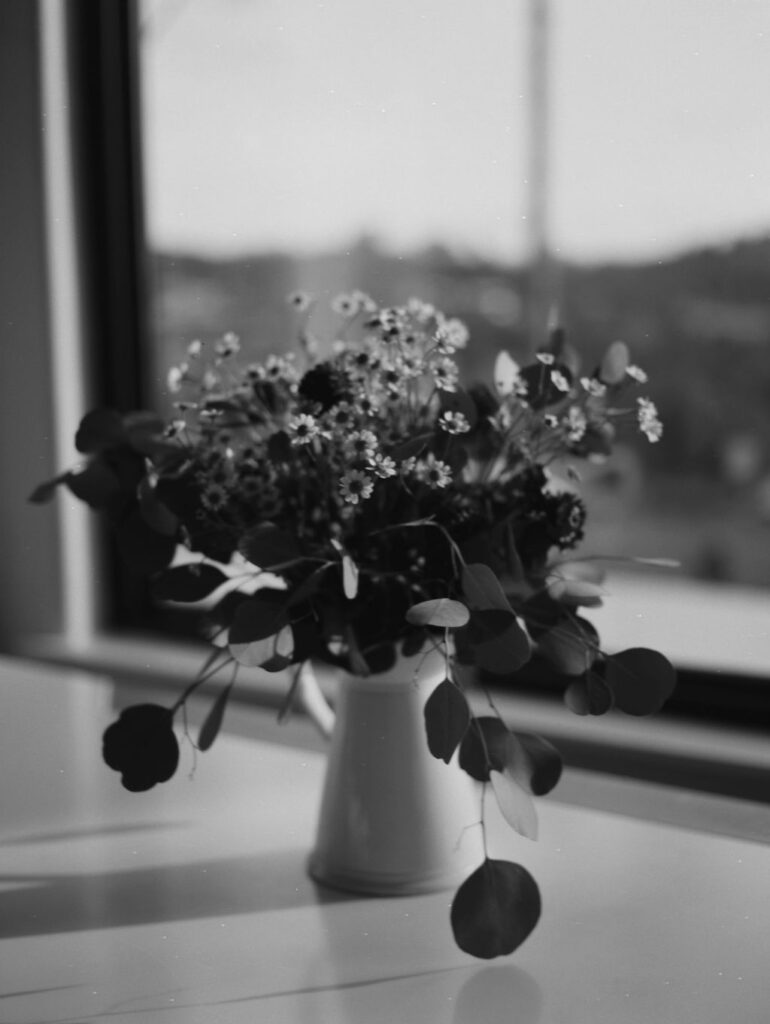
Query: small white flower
[594,387]
[176,377]
[649,422]
[433,471]
[356,486]
[228,345]
[345,304]
[559,381]
[361,444]
[303,429]
[445,374]
[575,423]
[175,428]
[194,349]
[383,466]
[550,420]
[454,422]
[300,300]
[636,373]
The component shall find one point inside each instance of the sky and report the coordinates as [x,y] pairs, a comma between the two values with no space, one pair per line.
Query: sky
[301,125]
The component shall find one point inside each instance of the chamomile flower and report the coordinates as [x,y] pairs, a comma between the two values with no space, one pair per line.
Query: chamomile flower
[214,496]
[445,374]
[228,345]
[302,429]
[454,422]
[362,444]
[301,301]
[175,378]
[383,466]
[346,304]
[594,387]
[649,422]
[356,486]
[433,471]
[575,423]
[559,381]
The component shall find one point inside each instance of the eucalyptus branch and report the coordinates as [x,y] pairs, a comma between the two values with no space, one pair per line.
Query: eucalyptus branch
[207,671]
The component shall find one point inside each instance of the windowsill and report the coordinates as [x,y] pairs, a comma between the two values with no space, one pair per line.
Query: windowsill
[726,761]
[710,627]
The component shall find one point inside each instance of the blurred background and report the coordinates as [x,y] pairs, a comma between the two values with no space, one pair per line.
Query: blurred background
[608,161]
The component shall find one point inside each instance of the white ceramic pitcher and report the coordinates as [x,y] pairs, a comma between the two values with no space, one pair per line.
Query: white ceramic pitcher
[394,820]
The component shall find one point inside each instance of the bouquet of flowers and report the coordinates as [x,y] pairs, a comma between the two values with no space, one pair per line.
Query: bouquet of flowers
[362,504]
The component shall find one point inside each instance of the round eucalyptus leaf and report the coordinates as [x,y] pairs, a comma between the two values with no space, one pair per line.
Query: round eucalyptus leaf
[495,909]
[484,747]
[446,719]
[589,695]
[441,611]
[641,679]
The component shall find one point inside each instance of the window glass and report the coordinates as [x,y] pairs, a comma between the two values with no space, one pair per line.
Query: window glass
[390,147]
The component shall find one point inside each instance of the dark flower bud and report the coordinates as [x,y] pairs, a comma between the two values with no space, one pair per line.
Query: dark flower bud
[325,385]
[142,746]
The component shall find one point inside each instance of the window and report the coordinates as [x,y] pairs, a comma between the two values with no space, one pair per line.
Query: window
[548,152]
[201,286]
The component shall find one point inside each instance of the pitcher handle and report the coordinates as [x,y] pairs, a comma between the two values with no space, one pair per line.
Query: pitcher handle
[312,701]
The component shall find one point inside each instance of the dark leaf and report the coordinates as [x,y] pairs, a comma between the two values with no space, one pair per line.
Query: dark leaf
[145,433]
[141,745]
[267,546]
[488,623]
[495,909]
[213,721]
[541,387]
[414,446]
[413,642]
[446,719]
[157,515]
[641,679]
[482,589]
[440,612]
[589,695]
[484,747]
[307,587]
[504,654]
[45,491]
[143,549]
[272,653]
[459,401]
[95,484]
[542,762]
[99,430]
[381,658]
[187,582]
[259,616]
[570,646]
[279,447]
